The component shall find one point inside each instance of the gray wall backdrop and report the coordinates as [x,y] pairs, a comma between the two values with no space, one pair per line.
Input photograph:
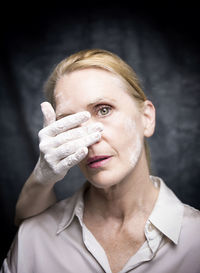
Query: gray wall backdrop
[161,44]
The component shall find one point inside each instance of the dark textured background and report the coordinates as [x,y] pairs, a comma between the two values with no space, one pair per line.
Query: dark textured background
[160,42]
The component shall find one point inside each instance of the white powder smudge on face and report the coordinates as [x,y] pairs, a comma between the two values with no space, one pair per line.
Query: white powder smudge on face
[62,107]
[135,149]
[59,95]
[130,126]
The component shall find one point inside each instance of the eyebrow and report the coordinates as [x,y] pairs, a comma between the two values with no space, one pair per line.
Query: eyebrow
[99,100]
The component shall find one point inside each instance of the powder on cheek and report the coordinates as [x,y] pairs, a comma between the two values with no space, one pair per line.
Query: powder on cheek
[135,148]
[129,126]
[135,151]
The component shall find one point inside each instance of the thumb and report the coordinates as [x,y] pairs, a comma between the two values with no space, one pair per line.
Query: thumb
[49,115]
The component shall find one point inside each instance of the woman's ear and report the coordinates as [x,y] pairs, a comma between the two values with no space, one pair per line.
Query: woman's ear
[149,115]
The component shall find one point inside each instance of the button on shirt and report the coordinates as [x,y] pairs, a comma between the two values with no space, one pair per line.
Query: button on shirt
[58,241]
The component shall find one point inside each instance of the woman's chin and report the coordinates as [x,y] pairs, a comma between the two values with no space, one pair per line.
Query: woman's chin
[103,182]
[102,185]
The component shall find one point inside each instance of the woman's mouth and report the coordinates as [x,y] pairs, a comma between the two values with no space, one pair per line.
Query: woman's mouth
[97,161]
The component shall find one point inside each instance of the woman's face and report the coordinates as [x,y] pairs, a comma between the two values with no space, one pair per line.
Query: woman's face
[103,95]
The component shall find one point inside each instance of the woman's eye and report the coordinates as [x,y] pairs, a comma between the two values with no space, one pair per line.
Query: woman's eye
[104,110]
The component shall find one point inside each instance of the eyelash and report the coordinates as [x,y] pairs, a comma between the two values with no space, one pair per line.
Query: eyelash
[102,106]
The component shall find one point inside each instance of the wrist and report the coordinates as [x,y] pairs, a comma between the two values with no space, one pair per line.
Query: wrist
[40,176]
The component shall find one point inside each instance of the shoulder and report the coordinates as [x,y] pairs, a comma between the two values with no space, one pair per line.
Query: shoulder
[48,219]
[190,228]
[191,215]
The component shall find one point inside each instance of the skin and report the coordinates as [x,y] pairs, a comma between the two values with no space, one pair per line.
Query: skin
[121,194]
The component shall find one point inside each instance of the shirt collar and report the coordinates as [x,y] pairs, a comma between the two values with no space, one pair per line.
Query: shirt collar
[166,216]
[168,211]
[71,207]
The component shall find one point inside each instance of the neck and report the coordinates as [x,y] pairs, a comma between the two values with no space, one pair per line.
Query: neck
[127,199]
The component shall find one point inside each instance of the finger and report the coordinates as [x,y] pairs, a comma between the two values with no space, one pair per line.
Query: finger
[49,115]
[72,147]
[66,123]
[73,159]
[76,133]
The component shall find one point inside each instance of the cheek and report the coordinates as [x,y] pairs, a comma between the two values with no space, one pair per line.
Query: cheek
[120,129]
[120,132]
[134,151]
[129,126]
[132,142]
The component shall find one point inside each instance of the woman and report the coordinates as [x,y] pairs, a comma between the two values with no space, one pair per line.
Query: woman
[123,219]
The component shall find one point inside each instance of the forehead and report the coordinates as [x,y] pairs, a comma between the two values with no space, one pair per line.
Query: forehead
[88,86]
[86,79]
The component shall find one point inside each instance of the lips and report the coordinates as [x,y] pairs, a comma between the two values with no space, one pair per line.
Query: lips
[97,161]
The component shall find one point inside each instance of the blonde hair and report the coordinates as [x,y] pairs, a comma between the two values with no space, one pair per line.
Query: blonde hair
[102,59]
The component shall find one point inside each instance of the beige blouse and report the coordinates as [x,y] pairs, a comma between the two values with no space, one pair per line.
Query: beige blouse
[57,241]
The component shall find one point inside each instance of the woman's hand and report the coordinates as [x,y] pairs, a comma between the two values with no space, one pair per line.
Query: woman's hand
[63,144]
